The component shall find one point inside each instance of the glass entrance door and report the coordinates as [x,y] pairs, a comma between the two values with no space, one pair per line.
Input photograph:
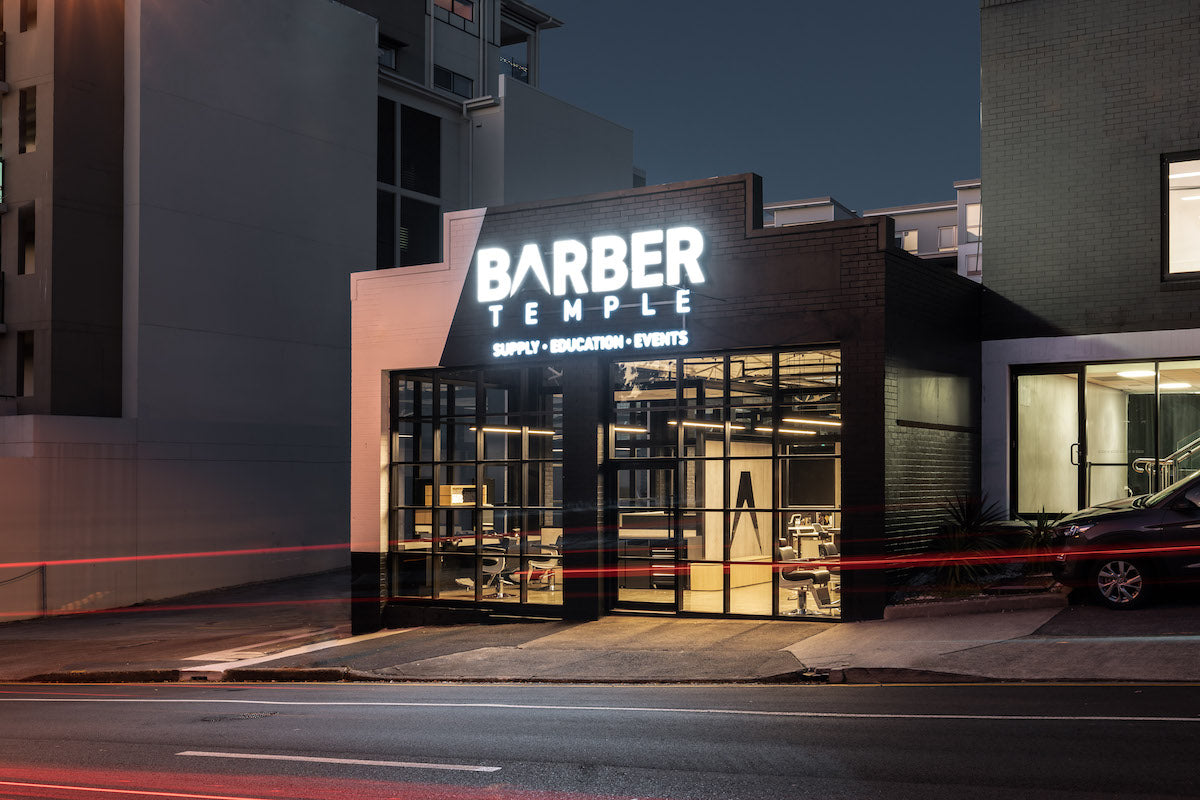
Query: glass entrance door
[648,574]
[1048,447]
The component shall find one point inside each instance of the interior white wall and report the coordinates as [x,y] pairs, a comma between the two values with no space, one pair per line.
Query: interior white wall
[1108,441]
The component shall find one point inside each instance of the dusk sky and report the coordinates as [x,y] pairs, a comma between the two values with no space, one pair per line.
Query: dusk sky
[873,102]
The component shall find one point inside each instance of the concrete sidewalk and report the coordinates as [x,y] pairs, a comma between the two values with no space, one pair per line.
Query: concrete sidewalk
[297,630]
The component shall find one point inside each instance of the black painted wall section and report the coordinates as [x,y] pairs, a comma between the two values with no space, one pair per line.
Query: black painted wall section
[931,401]
[588,554]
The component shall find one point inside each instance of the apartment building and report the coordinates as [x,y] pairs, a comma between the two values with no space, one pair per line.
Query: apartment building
[951,229]
[187,188]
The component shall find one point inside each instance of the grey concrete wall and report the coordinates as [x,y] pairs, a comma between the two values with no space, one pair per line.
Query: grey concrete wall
[1080,100]
[251,201]
[553,149]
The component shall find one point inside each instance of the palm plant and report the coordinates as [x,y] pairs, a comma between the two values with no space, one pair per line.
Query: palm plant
[1037,536]
[960,552]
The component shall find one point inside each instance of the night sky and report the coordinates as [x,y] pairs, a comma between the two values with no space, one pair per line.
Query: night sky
[874,102]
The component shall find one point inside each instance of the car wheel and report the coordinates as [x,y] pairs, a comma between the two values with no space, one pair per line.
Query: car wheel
[1121,583]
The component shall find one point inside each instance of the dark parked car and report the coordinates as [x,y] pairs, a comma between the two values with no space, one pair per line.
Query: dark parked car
[1125,550]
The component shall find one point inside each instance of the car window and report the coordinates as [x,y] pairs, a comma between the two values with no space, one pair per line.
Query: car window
[1159,496]
[1193,494]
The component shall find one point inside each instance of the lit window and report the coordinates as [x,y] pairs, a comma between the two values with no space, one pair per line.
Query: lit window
[460,85]
[459,8]
[974,222]
[907,240]
[1183,216]
[948,238]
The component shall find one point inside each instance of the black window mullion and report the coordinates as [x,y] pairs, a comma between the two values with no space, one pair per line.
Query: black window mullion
[776,491]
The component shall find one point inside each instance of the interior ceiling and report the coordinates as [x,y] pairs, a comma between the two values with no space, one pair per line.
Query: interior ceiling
[1107,375]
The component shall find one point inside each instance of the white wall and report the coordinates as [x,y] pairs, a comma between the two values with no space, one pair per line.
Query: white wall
[400,319]
[252,186]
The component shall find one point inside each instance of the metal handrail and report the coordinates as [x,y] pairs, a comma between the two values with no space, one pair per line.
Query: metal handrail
[1165,467]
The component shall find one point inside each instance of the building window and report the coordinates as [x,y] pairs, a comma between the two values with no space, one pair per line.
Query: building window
[948,239]
[464,9]
[28,15]
[389,52]
[907,240]
[974,264]
[385,122]
[460,85]
[420,152]
[475,485]
[385,229]
[26,237]
[419,236]
[1182,215]
[974,222]
[25,364]
[27,120]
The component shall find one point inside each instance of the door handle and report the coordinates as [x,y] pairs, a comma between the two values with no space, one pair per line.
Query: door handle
[1075,454]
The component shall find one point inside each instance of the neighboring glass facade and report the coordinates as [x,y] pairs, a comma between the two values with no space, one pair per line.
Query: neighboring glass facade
[1090,433]
[726,472]
[475,500]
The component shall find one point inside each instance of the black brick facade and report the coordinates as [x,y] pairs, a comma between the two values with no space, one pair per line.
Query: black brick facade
[837,282]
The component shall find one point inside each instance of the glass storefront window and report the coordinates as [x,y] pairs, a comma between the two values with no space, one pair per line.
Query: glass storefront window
[704,380]
[1178,419]
[755,490]
[476,487]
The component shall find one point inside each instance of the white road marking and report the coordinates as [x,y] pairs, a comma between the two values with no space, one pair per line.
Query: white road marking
[295,651]
[362,762]
[256,649]
[606,709]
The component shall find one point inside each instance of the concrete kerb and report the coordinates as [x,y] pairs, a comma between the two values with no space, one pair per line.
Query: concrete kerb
[107,676]
[978,605]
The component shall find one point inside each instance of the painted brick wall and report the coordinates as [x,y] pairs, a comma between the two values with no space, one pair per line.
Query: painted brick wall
[931,452]
[1080,99]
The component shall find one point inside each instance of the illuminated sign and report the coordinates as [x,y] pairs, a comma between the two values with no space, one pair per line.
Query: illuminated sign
[610,277]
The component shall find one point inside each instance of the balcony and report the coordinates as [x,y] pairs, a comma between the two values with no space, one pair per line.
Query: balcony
[514,69]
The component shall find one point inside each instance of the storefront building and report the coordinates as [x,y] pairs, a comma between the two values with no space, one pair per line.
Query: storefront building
[644,400]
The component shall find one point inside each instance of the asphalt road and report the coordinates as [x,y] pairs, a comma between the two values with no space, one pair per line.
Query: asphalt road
[574,742]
